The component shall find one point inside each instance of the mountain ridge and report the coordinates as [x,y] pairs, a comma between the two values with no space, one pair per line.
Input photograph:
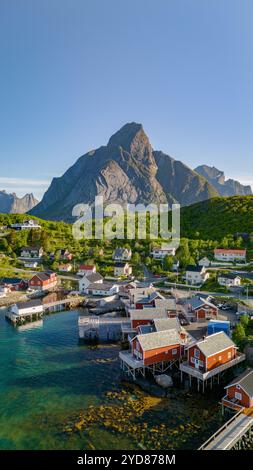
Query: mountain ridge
[225,187]
[126,170]
[10,203]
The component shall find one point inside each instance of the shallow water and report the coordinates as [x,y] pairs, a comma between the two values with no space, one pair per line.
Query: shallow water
[46,378]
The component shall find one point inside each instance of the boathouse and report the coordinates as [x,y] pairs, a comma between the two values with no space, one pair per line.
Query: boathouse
[27,308]
[155,351]
[209,357]
[239,393]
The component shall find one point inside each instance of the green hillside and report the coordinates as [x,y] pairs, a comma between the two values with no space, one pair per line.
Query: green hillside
[213,219]
[218,217]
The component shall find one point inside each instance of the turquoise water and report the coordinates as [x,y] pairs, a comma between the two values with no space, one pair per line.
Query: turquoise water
[47,378]
[44,377]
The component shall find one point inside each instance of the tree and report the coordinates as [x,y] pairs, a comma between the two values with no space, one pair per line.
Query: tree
[168,263]
[244,320]
[239,335]
[136,259]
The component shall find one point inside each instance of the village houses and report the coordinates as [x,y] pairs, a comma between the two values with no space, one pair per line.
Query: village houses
[88,279]
[122,254]
[199,309]
[32,252]
[26,225]
[43,281]
[13,284]
[230,255]
[229,280]
[196,275]
[85,269]
[104,289]
[204,262]
[65,268]
[163,251]
[32,264]
[122,269]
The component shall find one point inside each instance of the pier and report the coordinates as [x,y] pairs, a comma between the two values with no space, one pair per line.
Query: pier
[48,307]
[18,320]
[63,304]
[231,434]
[100,327]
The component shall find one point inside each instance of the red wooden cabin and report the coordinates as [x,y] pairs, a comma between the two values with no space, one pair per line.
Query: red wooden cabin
[211,352]
[240,391]
[162,346]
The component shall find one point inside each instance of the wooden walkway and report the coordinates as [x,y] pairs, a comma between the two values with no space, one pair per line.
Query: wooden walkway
[100,327]
[229,434]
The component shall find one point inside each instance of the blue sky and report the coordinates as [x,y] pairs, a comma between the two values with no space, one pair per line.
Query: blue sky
[74,71]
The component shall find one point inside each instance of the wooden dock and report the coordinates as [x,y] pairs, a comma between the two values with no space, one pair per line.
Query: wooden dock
[100,327]
[18,320]
[62,304]
[49,307]
[229,436]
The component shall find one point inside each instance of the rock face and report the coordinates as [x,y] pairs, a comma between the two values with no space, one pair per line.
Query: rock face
[126,170]
[11,204]
[224,187]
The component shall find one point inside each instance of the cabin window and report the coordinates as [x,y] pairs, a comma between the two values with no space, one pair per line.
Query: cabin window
[220,358]
[196,352]
[229,355]
[238,396]
[238,387]
[174,352]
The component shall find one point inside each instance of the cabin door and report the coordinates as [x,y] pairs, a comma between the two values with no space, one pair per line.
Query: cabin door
[196,364]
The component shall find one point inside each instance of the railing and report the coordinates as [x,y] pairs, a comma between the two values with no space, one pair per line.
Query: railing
[220,430]
[185,367]
[235,406]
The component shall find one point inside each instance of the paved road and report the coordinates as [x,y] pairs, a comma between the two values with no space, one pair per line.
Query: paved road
[70,277]
[188,289]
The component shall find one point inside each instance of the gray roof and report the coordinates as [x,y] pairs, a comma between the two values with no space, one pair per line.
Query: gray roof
[215,343]
[159,339]
[245,380]
[193,268]
[229,276]
[100,286]
[29,304]
[162,324]
[121,252]
[169,304]
[94,277]
[147,313]
[197,302]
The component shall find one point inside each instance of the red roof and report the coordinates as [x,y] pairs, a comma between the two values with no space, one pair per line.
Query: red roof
[86,267]
[232,252]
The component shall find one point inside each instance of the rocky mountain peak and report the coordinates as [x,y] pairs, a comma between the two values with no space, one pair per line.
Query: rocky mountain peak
[225,187]
[12,204]
[125,136]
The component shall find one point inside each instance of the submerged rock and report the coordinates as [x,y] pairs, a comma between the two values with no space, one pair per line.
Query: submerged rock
[164,380]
